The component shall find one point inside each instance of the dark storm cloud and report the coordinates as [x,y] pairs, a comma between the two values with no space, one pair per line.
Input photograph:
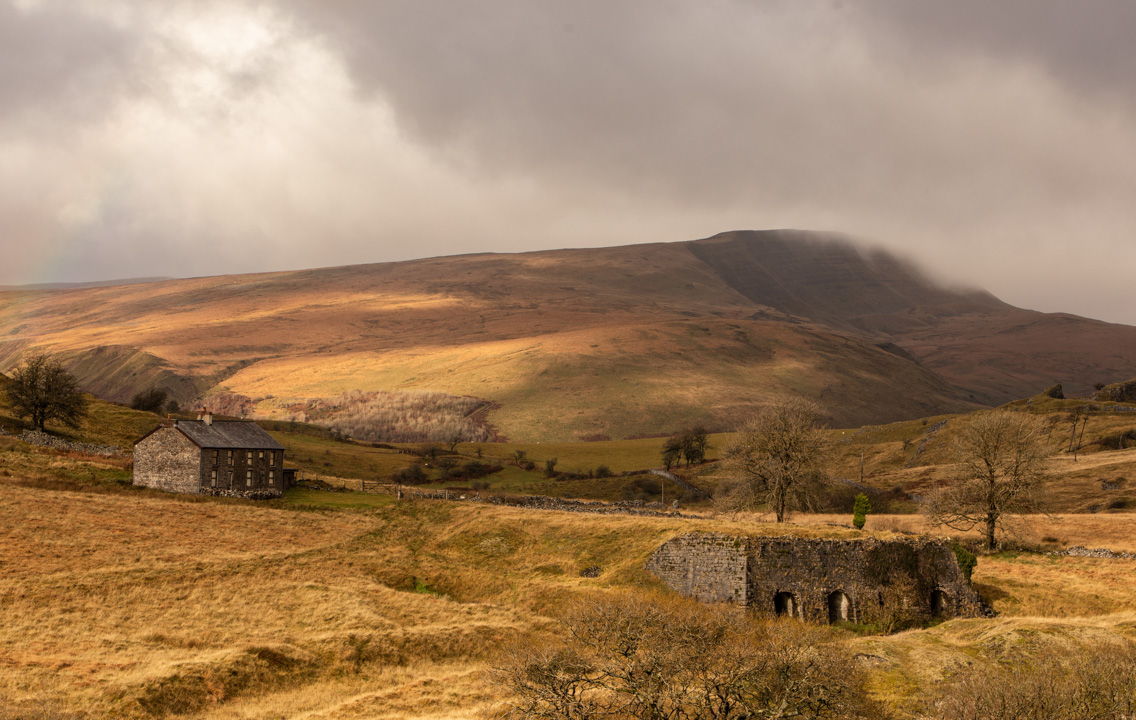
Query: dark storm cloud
[1087,46]
[978,137]
[722,101]
[991,141]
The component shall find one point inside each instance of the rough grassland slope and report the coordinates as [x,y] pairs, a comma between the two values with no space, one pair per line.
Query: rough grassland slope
[138,604]
[617,341]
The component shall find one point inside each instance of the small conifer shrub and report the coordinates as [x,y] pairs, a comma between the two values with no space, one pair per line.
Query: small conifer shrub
[860,510]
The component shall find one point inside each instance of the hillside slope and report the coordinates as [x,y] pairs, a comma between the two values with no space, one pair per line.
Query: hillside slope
[619,341]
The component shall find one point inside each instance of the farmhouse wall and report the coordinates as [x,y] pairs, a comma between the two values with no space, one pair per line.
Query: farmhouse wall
[816,580]
[224,471]
[167,460]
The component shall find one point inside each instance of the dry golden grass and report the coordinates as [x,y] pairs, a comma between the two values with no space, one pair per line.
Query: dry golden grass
[170,604]
[127,604]
[1114,531]
[910,668]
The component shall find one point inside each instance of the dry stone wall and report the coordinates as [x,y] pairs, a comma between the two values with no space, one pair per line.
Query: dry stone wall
[818,580]
[42,439]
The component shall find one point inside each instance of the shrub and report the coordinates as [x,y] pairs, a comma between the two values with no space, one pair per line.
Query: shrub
[150,400]
[1118,441]
[895,610]
[1082,683]
[966,559]
[602,471]
[860,511]
[410,475]
[550,467]
[635,657]
[644,488]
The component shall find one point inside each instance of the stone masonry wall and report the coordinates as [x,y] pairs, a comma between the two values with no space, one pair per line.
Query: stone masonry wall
[816,580]
[168,460]
[710,567]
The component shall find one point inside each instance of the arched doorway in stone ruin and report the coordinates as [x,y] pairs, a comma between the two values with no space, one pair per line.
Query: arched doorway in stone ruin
[839,607]
[941,605]
[785,605]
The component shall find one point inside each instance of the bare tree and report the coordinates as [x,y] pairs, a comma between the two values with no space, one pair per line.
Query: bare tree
[1079,415]
[779,458]
[1001,458]
[42,390]
[672,451]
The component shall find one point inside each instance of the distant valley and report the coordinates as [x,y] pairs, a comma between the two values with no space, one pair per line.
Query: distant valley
[579,344]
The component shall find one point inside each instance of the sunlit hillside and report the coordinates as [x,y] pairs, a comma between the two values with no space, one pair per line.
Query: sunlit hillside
[616,342]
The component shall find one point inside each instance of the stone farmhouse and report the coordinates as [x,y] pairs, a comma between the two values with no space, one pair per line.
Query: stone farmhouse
[229,458]
[821,581]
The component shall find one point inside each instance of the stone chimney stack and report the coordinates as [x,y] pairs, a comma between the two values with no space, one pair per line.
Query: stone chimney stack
[205,416]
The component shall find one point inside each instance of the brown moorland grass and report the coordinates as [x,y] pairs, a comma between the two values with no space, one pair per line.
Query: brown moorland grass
[136,604]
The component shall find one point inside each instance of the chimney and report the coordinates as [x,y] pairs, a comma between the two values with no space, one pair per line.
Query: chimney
[205,416]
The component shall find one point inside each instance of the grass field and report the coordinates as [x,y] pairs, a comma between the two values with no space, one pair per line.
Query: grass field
[125,602]
[336,605]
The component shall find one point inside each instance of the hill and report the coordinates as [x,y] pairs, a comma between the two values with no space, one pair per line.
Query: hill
[570,344]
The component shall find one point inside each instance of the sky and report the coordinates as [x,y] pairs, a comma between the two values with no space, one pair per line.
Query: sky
[992,143]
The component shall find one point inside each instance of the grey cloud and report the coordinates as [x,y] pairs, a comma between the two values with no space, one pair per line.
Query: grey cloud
[58,63]
[1087,46]
[976,137]
[720,101]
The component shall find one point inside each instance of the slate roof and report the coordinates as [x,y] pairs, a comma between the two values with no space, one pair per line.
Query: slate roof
[228,434]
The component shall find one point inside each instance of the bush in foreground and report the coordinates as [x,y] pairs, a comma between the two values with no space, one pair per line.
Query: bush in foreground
[1097,683]
[633,657]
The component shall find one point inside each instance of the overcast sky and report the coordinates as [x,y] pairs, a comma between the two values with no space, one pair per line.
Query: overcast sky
[994,143]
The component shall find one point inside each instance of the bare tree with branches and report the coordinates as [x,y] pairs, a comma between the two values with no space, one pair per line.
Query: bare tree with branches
[779,458]
[1001,459]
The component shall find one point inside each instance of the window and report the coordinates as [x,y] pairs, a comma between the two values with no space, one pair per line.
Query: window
[248,478]
[213,478]
[260,456]
[230,452]
[272,459]
[248,457]
[213,453]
